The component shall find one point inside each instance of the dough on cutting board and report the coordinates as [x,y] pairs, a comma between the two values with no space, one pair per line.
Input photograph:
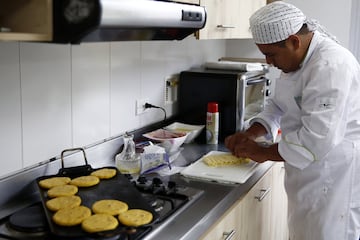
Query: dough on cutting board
[226,159]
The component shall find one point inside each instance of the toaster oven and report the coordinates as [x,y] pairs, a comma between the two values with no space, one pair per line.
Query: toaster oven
[240,95]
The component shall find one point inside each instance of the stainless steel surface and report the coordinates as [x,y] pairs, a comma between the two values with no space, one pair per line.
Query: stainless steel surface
[190,223]
[113,20]
[148,13]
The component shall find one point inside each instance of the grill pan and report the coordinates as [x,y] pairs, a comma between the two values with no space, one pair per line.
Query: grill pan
[118,187]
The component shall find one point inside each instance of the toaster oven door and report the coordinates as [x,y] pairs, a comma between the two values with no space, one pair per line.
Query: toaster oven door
[255,92]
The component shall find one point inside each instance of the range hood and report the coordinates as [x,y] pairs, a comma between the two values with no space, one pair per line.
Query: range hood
[77,21]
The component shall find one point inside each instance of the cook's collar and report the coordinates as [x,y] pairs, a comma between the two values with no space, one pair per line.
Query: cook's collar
[314,41]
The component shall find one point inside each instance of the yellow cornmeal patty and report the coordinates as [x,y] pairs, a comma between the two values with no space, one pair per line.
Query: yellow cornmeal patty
[99,223]
[104,173]
[62,191]
[85,181]
[58,203]
[224,160]
[71,216]
[54,181]
[135,217]
[109,206]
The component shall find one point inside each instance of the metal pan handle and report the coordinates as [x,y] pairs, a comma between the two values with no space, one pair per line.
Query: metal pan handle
[71,150]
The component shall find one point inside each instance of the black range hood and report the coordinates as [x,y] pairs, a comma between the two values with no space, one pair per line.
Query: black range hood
[77,21]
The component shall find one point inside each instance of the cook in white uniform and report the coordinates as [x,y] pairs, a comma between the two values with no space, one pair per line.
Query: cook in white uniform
[317,106]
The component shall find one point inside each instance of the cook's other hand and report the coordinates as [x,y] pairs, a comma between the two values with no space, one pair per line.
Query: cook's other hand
[256,130]
[242,144]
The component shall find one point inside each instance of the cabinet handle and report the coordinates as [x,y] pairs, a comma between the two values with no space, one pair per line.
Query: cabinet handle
[229,235]
[224,26]
[263,193]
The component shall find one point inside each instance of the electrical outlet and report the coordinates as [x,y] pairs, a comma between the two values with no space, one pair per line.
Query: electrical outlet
[140,106]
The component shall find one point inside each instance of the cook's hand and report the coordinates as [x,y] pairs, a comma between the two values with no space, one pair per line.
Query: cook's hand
[252,150]
[243,145]
[233,140]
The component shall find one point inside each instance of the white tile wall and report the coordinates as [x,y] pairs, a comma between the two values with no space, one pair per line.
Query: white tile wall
[10,109]
[125,85]
[90,93]
[55,96]
[46,100]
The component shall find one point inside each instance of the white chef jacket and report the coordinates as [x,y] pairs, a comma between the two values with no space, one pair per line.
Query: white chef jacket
[318,110]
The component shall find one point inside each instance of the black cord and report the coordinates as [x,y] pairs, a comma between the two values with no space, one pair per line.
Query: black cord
[148,105]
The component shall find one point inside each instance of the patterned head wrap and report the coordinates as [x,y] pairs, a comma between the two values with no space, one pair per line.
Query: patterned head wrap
[278,20]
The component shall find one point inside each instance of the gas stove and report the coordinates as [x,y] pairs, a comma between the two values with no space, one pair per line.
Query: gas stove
[167,198]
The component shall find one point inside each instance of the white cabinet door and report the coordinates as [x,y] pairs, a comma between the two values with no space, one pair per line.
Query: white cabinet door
[249,218]
[228,19]
[187,1]
[227,227]
[255,209]
[279,226]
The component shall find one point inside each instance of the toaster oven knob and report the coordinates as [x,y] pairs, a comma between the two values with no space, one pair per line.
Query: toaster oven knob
[268,82]
[267,92]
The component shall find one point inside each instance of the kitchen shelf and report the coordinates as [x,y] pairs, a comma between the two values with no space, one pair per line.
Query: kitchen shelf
[26,20]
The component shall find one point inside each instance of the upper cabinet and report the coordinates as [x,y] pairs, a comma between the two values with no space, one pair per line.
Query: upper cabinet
[23,20]
[228,19]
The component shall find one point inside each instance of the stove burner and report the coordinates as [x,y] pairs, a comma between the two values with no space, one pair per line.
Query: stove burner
[152,200]
[30,220]
[155,202]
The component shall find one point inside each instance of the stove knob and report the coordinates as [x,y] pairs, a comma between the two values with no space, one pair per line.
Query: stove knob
[142,179]
[171,184]
[157,181]
[128,176]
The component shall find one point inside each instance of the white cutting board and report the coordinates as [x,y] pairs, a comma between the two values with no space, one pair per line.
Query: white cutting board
[226,174]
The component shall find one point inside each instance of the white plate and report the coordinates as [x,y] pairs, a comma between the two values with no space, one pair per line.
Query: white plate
[192,130]
[226,174]
[170,140]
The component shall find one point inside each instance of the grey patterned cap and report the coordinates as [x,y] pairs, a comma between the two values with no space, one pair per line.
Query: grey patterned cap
[276,22]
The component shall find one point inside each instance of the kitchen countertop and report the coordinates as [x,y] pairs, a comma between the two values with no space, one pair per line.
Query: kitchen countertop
[189,224]
[194,221]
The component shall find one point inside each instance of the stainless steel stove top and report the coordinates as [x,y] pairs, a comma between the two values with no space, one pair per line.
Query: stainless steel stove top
[166,197]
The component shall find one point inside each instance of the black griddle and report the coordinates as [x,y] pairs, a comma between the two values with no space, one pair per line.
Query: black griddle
[118,187]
